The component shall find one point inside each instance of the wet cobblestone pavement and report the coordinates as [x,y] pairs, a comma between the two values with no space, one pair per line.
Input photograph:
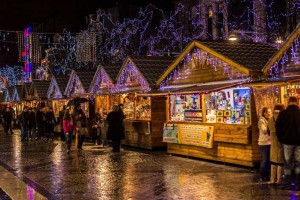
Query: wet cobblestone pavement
[97,173]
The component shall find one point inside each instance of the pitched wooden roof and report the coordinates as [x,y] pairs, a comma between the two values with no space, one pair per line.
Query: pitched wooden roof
[41,87]
[62,82]
[107,74]
[283,48]
[25,90]
[245,57]
[150,67]
[112,70]
[86,76]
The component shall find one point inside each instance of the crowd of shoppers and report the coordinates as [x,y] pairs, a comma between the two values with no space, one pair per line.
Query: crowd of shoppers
[36,122]
[288,133]
[39,122]
[7,120]
[279,142]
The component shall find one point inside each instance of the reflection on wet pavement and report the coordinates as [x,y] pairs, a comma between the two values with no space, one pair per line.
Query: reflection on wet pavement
[97,173]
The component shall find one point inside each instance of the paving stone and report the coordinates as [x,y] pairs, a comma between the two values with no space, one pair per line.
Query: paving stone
[97,173]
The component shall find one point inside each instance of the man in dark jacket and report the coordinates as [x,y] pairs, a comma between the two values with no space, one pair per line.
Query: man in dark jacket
[40,121]
[60,118]
[23,121]
[116,130]
[288,133]
[7,117]
[31,122]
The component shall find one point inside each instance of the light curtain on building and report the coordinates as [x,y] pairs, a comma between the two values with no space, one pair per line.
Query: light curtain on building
[264,97]
[86,47]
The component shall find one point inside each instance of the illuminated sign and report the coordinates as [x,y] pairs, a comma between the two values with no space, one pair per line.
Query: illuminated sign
[27,54]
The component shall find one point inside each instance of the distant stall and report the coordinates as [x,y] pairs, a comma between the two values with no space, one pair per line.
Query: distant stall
[78,86]
[17,99]
[210,113]
[102,87]
[38,92]
[56,93]
[145,113]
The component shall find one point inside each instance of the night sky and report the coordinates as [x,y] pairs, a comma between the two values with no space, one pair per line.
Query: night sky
[59,14]
[54,16]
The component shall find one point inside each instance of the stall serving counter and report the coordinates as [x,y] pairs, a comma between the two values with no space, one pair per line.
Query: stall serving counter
[219,126]
[145,116]
[143,127]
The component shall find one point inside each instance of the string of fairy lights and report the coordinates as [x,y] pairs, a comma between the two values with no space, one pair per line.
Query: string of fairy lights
[151,32]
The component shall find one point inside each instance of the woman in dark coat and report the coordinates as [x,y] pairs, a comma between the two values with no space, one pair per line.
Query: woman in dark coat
[115,131]
[30,124]
[276,153]
[50,123]
[7,117]
[97,127]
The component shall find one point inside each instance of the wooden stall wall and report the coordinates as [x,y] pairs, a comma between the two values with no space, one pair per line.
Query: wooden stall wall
[255,133]
[158,118]
[233,143]
[145,133]
[136,134]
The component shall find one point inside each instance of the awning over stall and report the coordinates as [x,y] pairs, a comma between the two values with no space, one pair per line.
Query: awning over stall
[206,88]
[274,81]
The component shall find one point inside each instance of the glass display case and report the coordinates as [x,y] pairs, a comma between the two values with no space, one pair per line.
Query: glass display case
[102,105]
[128,106]
[143,108]
[185,108]
[228,106]
[291,90]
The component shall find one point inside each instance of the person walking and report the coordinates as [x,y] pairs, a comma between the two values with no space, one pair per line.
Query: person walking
[50,123]
[23,121]
[61,118]
[116,130]
[97,127]
[288,133]
[276,154]
[30,124]
[40,121]
[80,123]
[7,117]
[68,128]
[264,143]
